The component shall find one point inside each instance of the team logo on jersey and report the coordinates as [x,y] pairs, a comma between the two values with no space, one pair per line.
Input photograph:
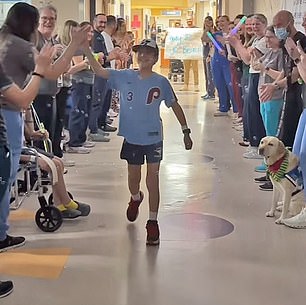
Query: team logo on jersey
[153,94]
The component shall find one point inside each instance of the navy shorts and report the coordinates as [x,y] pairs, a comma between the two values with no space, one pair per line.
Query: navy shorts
[136,154]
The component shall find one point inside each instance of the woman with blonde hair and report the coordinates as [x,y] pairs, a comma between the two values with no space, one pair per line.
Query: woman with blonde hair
[123,40]
[65,83]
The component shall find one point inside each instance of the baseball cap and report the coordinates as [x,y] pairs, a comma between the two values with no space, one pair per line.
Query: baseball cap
[146,43]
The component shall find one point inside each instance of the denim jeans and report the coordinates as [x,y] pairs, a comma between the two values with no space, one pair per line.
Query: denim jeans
[14,125]
[299,145]
[292,111]
[5,171]
[105,107]
[98,96]
[209,83]
[79,116]
[256,129]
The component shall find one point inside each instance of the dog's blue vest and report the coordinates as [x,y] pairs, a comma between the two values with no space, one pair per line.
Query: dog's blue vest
[280,172]
[296,178]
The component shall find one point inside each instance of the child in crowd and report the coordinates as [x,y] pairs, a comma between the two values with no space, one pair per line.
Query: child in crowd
[141,93]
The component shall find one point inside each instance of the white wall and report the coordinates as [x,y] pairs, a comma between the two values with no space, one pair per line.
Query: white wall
[268,7]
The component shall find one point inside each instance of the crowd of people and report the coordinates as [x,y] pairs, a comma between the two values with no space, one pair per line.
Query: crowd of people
[84,65]
[79,79]
[254,69]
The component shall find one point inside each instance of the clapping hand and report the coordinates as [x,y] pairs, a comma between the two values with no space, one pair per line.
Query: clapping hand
[233,40]
[258,66]
[79,35]
[266,92]
[232,58]
[44,58]
[292,48]
[115,53]
[302,53]
[59,49]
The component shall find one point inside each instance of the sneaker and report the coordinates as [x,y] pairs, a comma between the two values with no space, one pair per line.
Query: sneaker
[252,154]
[83,208]
[296,222]
[109,121]
[133,208]
[238,121]
[262,179]
[11,242]
[268,186]
[109,128]
[112,113]
[219,113]
[238,127]
[205,97]
[103,133]
[152,233]
[234,116]
[244,143]
[78,150]
[68,213]
[96,137]
[88,144]
[208,97]
[262,168]
[6,288]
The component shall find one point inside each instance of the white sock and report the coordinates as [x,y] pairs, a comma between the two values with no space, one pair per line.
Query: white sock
[136,197]
[153,215]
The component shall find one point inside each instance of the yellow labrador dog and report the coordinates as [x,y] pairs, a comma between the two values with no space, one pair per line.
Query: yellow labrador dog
[279,161]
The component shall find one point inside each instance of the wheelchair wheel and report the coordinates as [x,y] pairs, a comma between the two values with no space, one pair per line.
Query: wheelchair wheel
[50,199]
[48,219]
[175,78]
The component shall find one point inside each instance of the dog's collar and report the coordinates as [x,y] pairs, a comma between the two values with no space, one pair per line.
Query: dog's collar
[278,169]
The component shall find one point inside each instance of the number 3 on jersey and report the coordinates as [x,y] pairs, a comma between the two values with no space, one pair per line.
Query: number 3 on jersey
[130,96]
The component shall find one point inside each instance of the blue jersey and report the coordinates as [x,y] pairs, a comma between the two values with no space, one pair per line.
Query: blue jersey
[140,100]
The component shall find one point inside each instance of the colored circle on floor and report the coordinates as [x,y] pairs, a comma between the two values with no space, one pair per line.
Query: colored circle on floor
[183,159]
[194,227]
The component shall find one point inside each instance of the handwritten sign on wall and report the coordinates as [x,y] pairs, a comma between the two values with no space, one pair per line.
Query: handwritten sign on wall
[297,8]
[183,43]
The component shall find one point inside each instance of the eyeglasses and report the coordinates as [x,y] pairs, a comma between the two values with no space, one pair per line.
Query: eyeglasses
[44,18]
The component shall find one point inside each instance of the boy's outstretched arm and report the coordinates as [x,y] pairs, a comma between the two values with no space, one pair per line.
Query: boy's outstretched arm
[179,113]
[95,65]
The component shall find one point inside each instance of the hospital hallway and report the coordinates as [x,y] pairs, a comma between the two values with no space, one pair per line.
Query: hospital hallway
[217,247]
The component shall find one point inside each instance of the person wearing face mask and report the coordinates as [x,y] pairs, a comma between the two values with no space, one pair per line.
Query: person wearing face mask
[283,23]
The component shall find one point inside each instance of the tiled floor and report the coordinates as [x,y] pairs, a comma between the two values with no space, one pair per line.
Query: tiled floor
[217,246]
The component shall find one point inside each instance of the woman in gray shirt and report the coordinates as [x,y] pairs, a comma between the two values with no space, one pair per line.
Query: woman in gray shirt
[270,66]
